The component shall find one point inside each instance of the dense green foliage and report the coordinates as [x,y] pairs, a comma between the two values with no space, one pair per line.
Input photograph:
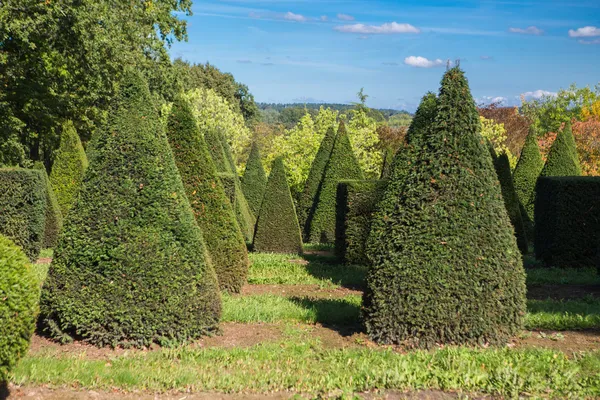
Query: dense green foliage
[445,263]
[355,205]
[567,221]
[342,165]
[307,200]
[254,181]
[23,208]
[54,218]
[511,201]
[526,174]
[212,208]
[388,159]
[19,297]
[131,267]
[424,118]
[228,183]
[68,168]
[277,228]
[562,158]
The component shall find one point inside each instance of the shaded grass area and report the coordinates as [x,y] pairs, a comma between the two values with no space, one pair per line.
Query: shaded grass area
[563,315]
[562,276]
[310,368]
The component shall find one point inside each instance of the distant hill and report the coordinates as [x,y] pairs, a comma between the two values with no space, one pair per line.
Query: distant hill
[386,112]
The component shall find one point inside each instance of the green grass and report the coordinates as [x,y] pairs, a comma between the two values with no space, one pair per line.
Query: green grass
[318,247]
[562,276]
[563,315]
[46,253]
[310,368]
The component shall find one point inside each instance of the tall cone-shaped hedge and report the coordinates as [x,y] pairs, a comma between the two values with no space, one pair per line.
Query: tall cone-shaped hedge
[526,174]
[562,158]
[446,266]
[388,158]
[277,228]
[207,197]
[342,165]
[254,181]
[68,168]
[424,118]
[54,219]
[131,267]
[307,200]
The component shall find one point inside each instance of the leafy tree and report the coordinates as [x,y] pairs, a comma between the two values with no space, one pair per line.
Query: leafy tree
[587,136]
[526,174]
[254,181]
[434,277]
[277,228]
[496,134]
[402,120]
[562,159]
[54,218]
[362,131]
[210,204]
[131,267]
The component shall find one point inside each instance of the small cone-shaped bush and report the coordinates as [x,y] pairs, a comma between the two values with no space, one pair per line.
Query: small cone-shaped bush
[207,197]
[19,299]
[342,165]
[307,203]
[131,267]
[68,168]
[424,118]
[254,181]
[54,219]
[511,201]
[277,228]
[445,263]
[526,174]
[388,159]
[562,158]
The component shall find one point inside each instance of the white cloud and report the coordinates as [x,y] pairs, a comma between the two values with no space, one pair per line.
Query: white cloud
[595,41]
[324,18]
[388,28]
[422,62]
[538,94]
[290,16]
[345,17]
[586,31]
[493,100]
[531,30]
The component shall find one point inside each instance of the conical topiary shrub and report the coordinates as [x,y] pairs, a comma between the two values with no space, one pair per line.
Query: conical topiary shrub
[445,263]
[526,174]
[307,200]
[254,181]
[54,219]
[342,165]
[68,168]
[207,197]
[388,158]
[424,118]
[131,267]
[19,298]
[277,228]
[562,158]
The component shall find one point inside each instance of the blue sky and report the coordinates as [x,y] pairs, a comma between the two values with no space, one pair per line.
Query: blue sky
[326,50]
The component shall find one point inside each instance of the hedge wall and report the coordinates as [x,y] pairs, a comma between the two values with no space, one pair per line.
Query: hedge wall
[54,219]
[567,221]
[19,299]
[131,267]
[355,205]
[23,208]
[254,181]
[212,208]
[277,228]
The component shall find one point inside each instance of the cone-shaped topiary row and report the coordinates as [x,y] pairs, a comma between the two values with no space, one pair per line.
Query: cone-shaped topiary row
[446,266]
[342,165]
[525,176]
[54,219]
[277,228]
[68,168]
[307,200]
[131,267]
[19,298]
[388,159]
[254,181]
[562,158]
[207,197]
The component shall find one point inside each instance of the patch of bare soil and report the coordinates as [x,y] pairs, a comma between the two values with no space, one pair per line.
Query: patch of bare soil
[562,292]
[313,291]
[568,342]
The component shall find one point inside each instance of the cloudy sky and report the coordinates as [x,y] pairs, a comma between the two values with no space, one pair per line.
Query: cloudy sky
[326,50]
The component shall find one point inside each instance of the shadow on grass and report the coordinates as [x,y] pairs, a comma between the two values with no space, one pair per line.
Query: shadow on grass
[327,267]
[336,314]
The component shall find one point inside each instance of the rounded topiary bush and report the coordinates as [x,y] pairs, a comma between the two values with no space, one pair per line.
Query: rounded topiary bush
[445,263]
[131,267]
[19,297]
[207,197]
[254,181]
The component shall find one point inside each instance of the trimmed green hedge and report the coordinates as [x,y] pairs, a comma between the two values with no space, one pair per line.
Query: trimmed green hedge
[228,181]
[54,219]
[356,203]
[19,299]
[567,221]
[562,158]
[342,165]
[68,168]
[23,208]
[277,228]
[254,181]
[212,208]
[131,267]
[308,198]
[446,268]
